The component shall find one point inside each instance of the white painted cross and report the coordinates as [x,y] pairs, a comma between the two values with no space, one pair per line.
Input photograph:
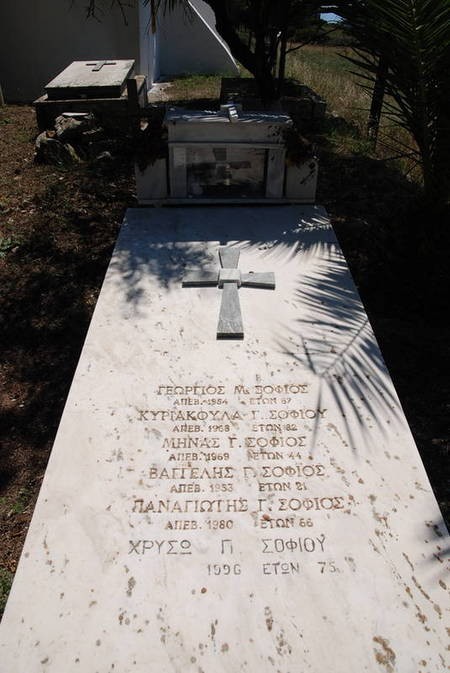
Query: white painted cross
[229,278]
[99,65]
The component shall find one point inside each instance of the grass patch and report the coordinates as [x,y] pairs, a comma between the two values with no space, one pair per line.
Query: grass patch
[326,71]
[193,87]
[6,579]
[22,500]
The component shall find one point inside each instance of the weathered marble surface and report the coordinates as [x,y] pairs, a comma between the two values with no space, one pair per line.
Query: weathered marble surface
[90,77]
[226,506]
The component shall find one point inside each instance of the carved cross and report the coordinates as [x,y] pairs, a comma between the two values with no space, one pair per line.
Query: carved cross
[229,278]
[99,65]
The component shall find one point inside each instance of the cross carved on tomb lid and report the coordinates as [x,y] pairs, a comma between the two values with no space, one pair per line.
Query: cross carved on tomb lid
[229,278]
[99,65]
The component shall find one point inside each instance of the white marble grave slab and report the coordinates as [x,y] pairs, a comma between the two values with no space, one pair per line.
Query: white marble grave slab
[222,506]
[95,78]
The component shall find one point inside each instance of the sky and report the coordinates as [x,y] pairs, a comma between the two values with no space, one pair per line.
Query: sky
[330,17]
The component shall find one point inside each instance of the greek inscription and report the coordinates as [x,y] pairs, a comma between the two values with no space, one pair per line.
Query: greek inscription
[267,427]
[226,546]
[192,416]
[189,442]
[185,488]
[271,487]
[280,389]
[299,544]
[181,525]
[274,442]
[192,473]
[264,455]
[169,506]
[211,444]
[285,414]
[286,389]
[220,524]
[194,457]
[286,522]
[274,486]
[224,569]
[262,400]
[160,547]
[191,390]
[197,401]
[295,504]
[281,568]
[221,487]
[327,567]
[280,471]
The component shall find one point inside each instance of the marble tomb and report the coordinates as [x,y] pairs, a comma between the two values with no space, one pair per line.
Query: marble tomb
[108,88]
[226,156]
[235,505]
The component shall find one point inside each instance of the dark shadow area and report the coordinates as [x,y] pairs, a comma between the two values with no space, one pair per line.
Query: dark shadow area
[340,349]
[436,534]
[171,253]
[190,104]
[397,250]
[49,288]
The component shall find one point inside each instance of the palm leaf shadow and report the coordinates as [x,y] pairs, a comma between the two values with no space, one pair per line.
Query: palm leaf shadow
[332,339]
[335,343]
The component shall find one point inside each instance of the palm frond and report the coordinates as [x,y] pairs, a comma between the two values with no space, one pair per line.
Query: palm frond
[413,36]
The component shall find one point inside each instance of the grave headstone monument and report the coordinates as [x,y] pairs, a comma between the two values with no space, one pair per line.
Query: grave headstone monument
[238,505]
[227,156]
[103,87]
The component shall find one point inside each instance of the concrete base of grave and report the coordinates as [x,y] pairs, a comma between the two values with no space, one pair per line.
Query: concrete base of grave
[297,99]
[111,112]
[152,187]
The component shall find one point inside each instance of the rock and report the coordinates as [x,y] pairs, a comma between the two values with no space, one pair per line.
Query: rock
[93,135]
[52,151]
[103,158]
[69,127]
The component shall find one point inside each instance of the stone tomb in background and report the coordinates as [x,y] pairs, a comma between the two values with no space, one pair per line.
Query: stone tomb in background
[109,89]
[230,506]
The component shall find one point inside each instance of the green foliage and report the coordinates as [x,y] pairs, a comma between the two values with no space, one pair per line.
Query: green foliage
[413,37]
[7,243]
[20,504]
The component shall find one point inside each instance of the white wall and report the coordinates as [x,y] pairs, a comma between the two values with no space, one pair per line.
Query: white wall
[39,38]
[193,46]
[148,46]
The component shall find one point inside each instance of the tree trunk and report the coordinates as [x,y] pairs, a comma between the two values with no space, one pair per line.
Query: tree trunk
[257,62]
[283,49]
[376,106]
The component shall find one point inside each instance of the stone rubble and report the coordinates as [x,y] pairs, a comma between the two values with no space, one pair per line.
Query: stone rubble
[75,138]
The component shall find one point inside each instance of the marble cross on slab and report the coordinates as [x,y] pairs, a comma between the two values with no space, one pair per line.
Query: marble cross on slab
[99,65]
[229,278]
